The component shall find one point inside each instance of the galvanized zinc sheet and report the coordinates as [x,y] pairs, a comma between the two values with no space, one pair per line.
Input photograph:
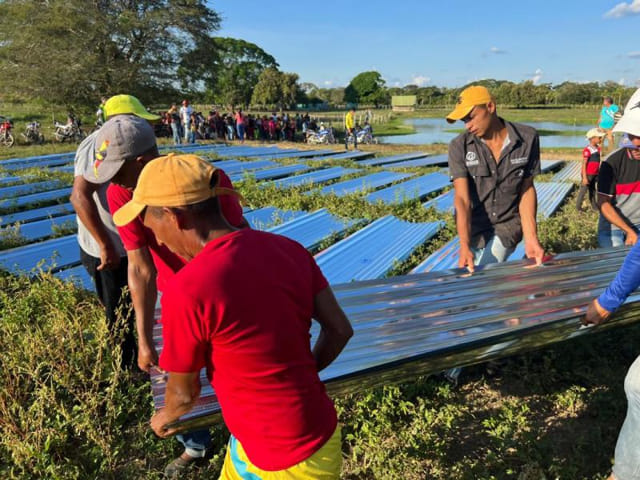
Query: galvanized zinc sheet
[550,196]
[271,173]
[36,214]
[374,250]
[77,275]
[241,167]
[372,162]
[351,155]
[314,178]
[434,161]
[26,188]
[548,165]
[362,184]
[572,172]
[51,254]
[267,217]
[35,198]
[442,203]
[415,188]
[45,228]
[311,229]
[7,180]
[415,325]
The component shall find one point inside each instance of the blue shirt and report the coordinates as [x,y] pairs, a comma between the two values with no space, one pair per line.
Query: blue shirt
[606,116]
[626,281]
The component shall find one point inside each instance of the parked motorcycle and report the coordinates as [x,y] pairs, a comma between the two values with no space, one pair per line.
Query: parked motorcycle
[70,131]
[322,136]
[364,135]
[6,138]
[32,133]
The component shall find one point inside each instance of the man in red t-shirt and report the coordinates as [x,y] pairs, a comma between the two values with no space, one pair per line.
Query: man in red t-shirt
[242,308]
[590,168]
[122,151]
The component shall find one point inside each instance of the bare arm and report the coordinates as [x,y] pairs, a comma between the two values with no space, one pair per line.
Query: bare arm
[87,210]
[182,392]
[613,216]
[528,208]
[335,329]
[462,203]
[142,284]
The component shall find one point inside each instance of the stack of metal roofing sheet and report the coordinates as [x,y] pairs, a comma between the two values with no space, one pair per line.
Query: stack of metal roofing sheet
[55,254]
[407,327]
[373,251]
[36,214]
[271,173]
[266,217]
[548,165]
[550,196]
[363,184]
[311,229]
[314,178]
[572,172]
[26,188]
[442,203]
[372,162]
[35,198]
[434,161]
[415,188]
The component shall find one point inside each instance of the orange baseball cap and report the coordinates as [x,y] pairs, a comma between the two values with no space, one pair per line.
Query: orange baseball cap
[469,98]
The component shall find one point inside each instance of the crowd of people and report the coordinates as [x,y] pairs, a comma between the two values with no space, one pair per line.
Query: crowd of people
[162,224]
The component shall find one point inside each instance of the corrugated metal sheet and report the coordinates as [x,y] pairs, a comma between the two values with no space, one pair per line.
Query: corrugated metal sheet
[27,188]
[225,164]
[372,162]
[362,184]
[7,180]
[547,165]
[572,172]
[28,162]
[374,250]
[54,162]
[351,155]
[311,229]
[36,214]
[314,178]
[550,197]
[433,161]
[77,275]
[266,217]
[297,154]
[242,167]
[444,258]
[35,198]
[44,228]
[442,203]
[416,188]
[55,253]
[271,173]
[415,325]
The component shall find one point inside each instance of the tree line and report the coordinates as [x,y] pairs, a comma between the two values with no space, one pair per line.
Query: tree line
[72,52]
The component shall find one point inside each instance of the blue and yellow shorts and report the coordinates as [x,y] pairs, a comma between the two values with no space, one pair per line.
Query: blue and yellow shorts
[325,464]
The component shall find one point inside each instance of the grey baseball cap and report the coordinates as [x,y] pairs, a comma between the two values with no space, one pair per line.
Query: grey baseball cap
[121,138]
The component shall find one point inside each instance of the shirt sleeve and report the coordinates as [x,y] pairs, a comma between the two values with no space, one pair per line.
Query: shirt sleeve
[318,280]
[229,204]
[534,158]
[184,347]
[607,179]
[626,281]
[457,166]
[133,235]
[586,153]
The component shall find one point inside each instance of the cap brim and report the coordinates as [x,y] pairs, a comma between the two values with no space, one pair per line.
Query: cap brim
[128,213]
[102,174]
[628,125]
[459,113]
[149,116]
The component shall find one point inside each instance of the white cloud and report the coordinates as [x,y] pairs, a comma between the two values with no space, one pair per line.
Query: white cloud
[624,9]
[498,51]
[633,55]
[420,80]
[327,83]
[621,81]
[537,76]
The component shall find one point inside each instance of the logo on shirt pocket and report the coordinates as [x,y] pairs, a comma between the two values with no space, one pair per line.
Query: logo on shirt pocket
[519,160]
[471,159]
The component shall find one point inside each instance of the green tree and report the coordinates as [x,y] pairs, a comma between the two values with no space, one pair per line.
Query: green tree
[227,69]
[73,51]
[366,87]
[276,88]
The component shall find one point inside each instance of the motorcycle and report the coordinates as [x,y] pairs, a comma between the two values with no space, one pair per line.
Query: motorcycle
[69,131]
[364,135]
[322,136]
[6,138]
[32,133]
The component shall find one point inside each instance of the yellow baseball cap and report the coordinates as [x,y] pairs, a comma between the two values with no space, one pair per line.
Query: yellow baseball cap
[127,104]
[469,98]
[171,181]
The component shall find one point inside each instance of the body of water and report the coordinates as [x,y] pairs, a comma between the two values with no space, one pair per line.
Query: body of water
[434,130]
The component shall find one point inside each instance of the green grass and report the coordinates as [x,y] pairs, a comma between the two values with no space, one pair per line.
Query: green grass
[67,411]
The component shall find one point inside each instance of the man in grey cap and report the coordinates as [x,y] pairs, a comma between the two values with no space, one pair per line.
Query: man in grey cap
[101,250]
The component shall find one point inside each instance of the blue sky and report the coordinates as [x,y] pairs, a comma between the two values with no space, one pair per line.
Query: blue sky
[443,43]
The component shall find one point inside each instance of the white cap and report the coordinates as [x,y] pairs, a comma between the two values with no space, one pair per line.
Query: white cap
[630,121]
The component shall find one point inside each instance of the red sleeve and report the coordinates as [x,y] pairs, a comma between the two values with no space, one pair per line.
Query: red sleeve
[318,280]
[134,234]
[184,349]
[586,153]
[229,204]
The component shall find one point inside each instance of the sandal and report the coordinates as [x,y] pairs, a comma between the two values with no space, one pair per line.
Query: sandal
[178,467]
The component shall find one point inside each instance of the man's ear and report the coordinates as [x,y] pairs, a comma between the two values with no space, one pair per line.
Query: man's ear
[175,216]
[491,106]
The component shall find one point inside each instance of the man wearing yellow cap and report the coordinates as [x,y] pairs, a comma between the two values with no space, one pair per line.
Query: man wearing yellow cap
[492,165]
[283,424]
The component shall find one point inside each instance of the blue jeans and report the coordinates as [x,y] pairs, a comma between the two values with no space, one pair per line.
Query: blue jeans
[608,236]
[192,136]
[240,129]
[195,443]
[175,130]
[493,252]
[627,456]
[187,131]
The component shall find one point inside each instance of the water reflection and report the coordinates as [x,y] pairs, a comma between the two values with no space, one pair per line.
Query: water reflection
[434,130]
